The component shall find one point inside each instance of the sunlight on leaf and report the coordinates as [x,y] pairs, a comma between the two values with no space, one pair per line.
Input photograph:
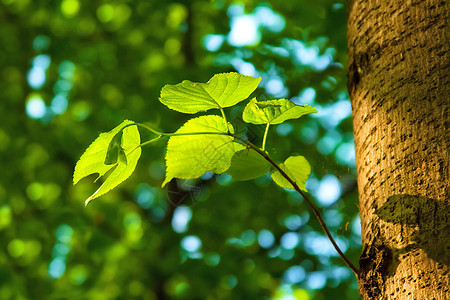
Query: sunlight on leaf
[296,167]
[247,165]
[274,111]
[222,90]
[93,159]
[191,156]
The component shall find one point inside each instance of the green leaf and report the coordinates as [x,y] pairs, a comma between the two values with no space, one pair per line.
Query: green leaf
[297,168]
[274,111]
[191,156]
[114,148]
[222,90]
[247,165]
[122,156]
[92,160]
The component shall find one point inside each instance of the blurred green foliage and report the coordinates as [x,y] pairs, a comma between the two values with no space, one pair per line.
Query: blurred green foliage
[71,69]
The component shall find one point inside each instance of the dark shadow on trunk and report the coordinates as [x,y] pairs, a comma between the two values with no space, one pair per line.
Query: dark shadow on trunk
[432,232]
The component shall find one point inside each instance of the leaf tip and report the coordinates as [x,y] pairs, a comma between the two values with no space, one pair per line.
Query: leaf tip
[166,181]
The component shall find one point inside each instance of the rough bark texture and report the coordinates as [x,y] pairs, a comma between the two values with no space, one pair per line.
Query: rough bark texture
[398,84]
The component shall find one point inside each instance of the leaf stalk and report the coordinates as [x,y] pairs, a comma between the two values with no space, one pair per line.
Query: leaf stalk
[266,132]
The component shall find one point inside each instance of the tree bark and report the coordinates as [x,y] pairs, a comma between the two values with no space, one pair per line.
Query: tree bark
[398,85]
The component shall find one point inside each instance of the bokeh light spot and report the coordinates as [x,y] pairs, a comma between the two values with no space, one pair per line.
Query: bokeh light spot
[294,274]
[60,250]
[213,42]
[229,281]
[35,107]
[306,96]
[35,191]
[16,248]
[191,243]
[244,31]
[289,240]
[132,221]
[105,13]
[64,233]
[81,110]
[144,195]
[66,69]
[284,129]
[78,274]
[306,55]
[181,217]
[328,142]
[309,132]
[274,86]
[301,294]
[266,238]
[329,190]
[56,268]
[70,8]
[224,179]
[332,217]
[235,10]
[316,280]
[356,226]
[41,43]
[41,61]
[247,238]
[122,13]
[36,77]
[176,16]
[269,19]
[293,222]
[172,46]
[5,216]
[59,104]
[345,154]
[243,67]
[212,259]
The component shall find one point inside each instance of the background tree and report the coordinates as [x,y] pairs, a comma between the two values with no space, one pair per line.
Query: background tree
[71,69]
[398,83]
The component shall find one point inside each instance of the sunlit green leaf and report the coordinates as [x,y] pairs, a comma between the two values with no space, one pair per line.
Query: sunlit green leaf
[247,165]
[297,168]
[92,160]
[190,156]
[274,111]
[222,90]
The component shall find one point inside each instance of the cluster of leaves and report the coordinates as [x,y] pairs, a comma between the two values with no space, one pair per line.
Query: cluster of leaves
[203,144]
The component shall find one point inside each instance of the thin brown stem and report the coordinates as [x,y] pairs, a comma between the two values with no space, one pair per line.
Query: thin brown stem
[310,203]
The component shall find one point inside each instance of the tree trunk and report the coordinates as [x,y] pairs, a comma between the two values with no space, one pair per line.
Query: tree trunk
[398,85]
